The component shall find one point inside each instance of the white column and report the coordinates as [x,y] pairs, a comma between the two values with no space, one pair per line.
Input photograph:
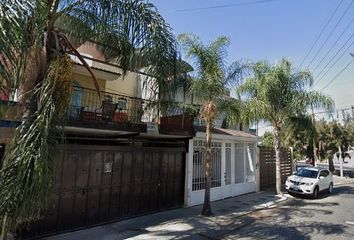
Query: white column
[233,155]
[189,174]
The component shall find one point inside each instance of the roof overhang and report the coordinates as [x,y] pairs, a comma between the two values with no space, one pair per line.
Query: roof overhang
[94,132]
[228,134]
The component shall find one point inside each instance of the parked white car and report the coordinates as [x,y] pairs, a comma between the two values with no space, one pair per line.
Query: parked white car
[310,181]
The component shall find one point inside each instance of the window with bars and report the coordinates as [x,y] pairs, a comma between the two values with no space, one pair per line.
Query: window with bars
[199,151]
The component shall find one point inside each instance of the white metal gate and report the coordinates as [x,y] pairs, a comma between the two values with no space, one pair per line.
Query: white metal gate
[232,170]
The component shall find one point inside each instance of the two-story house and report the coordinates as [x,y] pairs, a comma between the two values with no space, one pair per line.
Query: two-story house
[124,157]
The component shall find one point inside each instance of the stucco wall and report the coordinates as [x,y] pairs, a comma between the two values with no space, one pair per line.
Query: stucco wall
[126,85]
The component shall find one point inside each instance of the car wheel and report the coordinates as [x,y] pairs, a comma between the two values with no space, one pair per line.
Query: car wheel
[315,192]
[330,188]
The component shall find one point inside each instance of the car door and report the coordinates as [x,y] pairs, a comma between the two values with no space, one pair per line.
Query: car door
[323,180]
[327,178]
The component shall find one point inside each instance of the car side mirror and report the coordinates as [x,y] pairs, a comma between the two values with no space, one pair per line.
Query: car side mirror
[321,177]
[294,172]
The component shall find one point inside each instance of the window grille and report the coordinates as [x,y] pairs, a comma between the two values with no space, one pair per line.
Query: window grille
[198,176]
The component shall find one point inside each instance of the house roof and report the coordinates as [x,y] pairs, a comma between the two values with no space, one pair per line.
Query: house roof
[229,133]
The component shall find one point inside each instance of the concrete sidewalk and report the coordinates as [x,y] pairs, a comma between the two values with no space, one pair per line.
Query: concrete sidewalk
[342,180]
[183,223]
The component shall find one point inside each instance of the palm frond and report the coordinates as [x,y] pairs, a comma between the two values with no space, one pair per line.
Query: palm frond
[26,174]
[14,20]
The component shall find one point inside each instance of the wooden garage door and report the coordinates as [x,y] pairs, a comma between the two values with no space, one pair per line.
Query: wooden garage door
[97,184]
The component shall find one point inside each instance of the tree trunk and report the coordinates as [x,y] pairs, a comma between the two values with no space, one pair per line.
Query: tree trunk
[314,155]
[207,207]
[331,165]
[277,147]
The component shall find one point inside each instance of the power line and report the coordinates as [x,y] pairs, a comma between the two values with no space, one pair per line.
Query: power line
[322,31]
[331,47]
[224,6]
[337,75]
[323,75]
[330,34]
[329,62]
[338,109]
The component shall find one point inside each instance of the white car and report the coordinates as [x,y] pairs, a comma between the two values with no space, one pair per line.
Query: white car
[310,181]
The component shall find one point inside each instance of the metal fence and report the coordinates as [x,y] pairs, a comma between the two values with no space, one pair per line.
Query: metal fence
[198,182]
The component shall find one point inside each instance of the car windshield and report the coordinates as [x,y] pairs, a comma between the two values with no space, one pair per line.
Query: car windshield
[303,172]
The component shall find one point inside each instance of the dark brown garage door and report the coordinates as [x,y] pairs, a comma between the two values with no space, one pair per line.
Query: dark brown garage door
[97,184]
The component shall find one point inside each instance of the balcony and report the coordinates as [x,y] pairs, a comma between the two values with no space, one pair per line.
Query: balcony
[123,113]
[112,111]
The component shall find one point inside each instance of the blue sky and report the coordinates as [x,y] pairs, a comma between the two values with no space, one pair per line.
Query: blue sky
[271,30]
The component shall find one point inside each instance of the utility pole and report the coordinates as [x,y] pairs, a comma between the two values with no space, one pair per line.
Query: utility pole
[341,161]
[314,140]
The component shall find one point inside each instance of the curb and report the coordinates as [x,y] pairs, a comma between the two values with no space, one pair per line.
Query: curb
[343,183]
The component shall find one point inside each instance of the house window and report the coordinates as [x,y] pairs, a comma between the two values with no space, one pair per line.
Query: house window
[76,101]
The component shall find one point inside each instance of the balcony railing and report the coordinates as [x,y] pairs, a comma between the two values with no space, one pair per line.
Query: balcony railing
[113,111]
[120,112]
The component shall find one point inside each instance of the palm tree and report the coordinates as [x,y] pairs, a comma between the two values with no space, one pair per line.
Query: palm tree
[208,86]
[36,38]
[301,132]
[278,94]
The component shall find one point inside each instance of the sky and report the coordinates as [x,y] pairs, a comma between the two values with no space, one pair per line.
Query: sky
[272,29]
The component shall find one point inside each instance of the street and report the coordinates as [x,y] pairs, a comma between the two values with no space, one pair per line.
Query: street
[329,217]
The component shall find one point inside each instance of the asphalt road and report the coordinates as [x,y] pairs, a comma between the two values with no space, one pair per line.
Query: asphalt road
[329,217]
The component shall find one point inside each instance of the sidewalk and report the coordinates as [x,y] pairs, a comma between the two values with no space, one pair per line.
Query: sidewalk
[342,180]
[183,223]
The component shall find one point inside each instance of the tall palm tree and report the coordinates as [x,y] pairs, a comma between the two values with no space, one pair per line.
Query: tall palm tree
[279,94]
[208,86]
[35,40]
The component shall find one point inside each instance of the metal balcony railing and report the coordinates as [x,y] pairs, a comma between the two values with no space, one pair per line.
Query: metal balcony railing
[116,111]
[111,110]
